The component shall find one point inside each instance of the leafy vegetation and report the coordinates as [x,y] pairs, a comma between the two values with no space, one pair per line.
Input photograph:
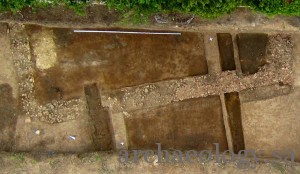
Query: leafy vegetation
[16,5]
[143,8]
[203,8]
[275,7]
[138,10]
[19,157]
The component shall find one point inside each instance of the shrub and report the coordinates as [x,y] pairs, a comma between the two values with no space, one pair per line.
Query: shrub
[16,5]
[275,7]
[203,8]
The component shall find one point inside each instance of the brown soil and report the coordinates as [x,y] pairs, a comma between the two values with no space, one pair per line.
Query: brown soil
[225,44]
[54,92]
[115,61]
[8,119]
[106,162]
[252,51]
[171,126]
[233,107]
[99,117]
[278,69]
[79,93]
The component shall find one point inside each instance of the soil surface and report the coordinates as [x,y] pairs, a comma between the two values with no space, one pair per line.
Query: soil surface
[106,162]
[278,69]
[171,126]
[78,92]
[57,68]
[113,60]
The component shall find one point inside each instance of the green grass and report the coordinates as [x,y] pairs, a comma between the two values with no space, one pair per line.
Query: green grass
[17,5]
[279,167]
[131,17]
[204,8]
[97,157]
[34,161]
[138,11]
[53,163]
[19,157]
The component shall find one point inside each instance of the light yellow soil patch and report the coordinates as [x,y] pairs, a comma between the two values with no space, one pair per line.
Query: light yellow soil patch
[44,49]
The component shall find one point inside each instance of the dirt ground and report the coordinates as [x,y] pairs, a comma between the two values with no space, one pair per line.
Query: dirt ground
[74,93]
[107,162]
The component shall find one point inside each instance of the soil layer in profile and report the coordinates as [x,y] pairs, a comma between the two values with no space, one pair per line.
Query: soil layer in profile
[8,117]
[226,51]
[117,60]
[233,107]
[190,124]
[252,51]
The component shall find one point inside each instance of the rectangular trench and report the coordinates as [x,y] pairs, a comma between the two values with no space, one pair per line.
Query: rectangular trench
[190,124]
[8,118]
[233,107]
[99,118]
[113,61]
[110,62]
[252,51]
[226,51]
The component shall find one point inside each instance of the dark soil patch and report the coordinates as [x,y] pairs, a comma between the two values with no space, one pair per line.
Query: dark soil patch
[252,51]
[100,120]
[233,107]
[115,61]
[226,51]
[8,117]
[190,124]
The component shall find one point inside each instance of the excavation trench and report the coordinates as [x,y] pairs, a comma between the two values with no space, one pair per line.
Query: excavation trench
[112,60]
[100,91]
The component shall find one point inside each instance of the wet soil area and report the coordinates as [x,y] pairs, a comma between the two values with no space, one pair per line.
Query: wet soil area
[190,124]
